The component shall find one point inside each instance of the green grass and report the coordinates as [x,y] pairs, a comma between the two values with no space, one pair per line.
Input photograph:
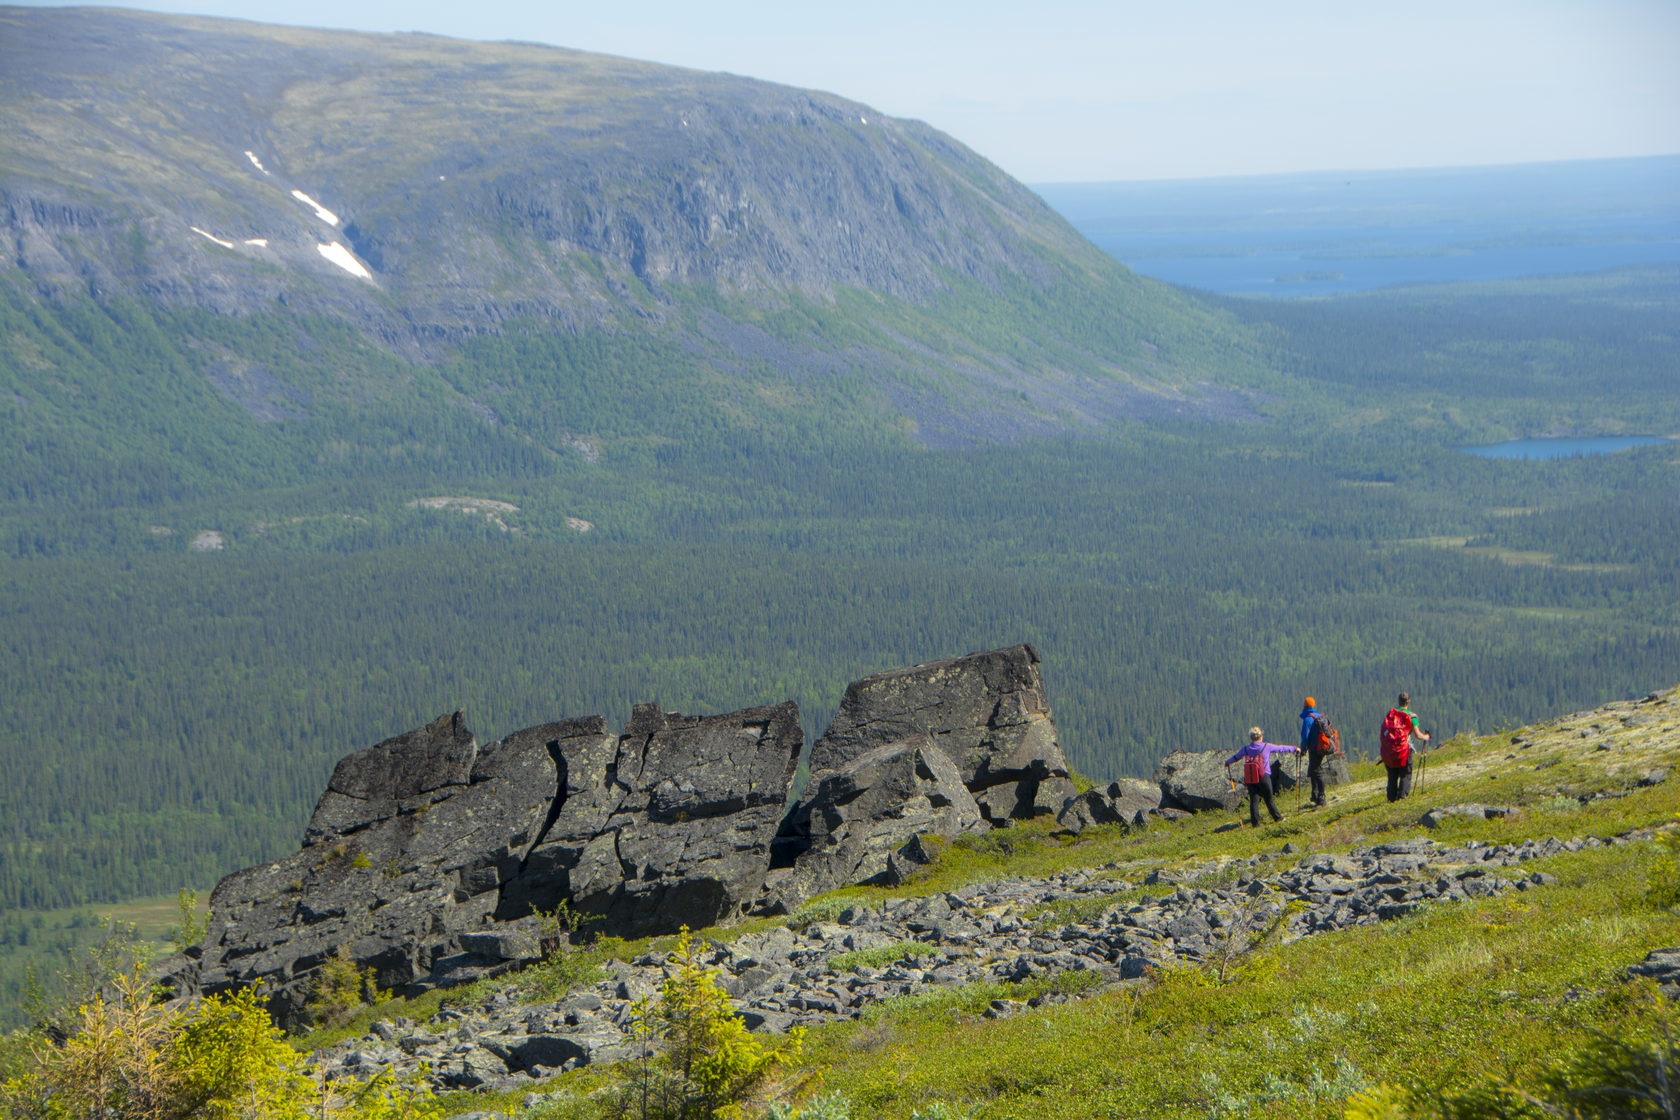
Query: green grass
[883,955]
[1454,997]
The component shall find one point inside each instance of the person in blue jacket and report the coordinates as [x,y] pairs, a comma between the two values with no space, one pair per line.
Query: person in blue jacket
[1257,773]
[1315,754]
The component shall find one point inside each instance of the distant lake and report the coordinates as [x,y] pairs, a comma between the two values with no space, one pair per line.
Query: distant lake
[1331,233]
[1561,448]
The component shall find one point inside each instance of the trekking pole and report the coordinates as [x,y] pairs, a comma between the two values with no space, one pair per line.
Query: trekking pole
[1423,767]
[1297,781]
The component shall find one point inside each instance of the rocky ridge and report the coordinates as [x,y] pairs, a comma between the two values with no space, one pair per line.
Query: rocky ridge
[427,193]
[428,856]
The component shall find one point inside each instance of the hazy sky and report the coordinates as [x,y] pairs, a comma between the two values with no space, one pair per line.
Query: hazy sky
[1148,89]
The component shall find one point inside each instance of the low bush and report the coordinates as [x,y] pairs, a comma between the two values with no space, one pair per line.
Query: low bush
[127,1057]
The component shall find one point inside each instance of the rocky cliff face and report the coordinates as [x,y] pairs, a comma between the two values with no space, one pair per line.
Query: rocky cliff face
[465,183]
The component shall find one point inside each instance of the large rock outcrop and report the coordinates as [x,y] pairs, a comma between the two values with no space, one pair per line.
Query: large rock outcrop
[857,818]
[671,827]
[406,851]
[987,712]
[424,840]
[427,855]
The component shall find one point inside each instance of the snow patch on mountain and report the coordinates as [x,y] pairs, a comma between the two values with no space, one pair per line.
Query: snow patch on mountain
[321,212]
[339,255]
[255,162]
[213,237]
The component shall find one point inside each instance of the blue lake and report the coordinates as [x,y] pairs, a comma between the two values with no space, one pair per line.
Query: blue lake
[1561,448]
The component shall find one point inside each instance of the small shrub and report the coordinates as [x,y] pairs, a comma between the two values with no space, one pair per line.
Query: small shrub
[995,842]
[1082,910]
[697,1059]
[828,1106]
[569,957]
[1065,982]
[824,909]
[191,931]
[340,991]
[939,1110]
[361,861]
[1662,889]
[1607,1078]
[128,1058]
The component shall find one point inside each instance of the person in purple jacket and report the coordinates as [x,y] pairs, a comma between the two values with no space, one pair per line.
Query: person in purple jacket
[1257,773]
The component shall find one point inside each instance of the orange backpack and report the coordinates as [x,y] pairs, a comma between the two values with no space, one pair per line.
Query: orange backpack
[1325,738]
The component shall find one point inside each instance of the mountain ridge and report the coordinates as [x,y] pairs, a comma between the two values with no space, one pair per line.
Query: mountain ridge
[428,191]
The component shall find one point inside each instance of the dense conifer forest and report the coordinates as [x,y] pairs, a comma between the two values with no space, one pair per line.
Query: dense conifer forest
[173,712]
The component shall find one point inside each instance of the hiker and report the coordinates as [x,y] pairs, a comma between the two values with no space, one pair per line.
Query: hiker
[1319,742]
[1399,726]
[1257,773]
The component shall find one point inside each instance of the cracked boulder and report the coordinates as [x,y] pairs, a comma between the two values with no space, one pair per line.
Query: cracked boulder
[406,852]
[671,826]
[1128,801]
[987,712]
[1197,780]
[858,817]
[426,851]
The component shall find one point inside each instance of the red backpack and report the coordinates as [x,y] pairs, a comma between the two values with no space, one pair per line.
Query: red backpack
[1396,738]
[1254,766]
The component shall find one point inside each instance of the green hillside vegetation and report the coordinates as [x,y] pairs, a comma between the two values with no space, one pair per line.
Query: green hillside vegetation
[1453,1011]
[174,713]
[1514,1006]
[1485,362]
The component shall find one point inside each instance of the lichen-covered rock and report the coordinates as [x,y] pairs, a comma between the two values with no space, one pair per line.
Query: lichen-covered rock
[395,892]
[987,712]
[398,775]
[856,818]
[1128,801]
[425,847]
[1663,967]
[696,804]
[1475,811]
[1198,780]
[1134,798]
[1092,807]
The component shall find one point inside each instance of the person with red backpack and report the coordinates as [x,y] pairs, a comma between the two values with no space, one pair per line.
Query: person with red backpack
[1257,773]
[1398,727]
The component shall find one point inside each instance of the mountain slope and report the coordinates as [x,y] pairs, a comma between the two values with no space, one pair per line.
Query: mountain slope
[426,190]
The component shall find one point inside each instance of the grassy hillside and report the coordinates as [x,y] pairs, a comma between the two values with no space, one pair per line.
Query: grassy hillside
[1457,1007]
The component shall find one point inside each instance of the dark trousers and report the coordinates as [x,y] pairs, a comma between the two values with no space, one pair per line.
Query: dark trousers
[1315,774]
[1257,790]
[1399,781]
